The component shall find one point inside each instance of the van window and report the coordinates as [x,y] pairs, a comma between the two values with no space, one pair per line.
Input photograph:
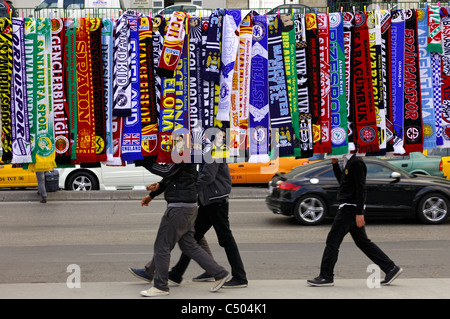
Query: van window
[73,4]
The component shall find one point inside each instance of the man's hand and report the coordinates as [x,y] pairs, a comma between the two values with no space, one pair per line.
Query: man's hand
[360,221]
[334,160]
[147,199]
[153,187]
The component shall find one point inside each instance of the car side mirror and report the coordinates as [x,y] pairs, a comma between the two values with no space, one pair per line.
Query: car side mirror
[396,176]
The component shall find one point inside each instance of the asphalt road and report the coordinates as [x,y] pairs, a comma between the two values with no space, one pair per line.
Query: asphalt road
[38,242]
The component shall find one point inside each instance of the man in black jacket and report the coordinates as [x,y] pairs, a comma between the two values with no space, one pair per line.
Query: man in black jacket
[177,226]
[350,218]
[214,187]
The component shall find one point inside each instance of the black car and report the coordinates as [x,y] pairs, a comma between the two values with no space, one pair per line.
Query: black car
[308,192]
[291,8]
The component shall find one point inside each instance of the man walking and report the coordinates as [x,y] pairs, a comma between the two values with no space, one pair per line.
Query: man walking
[350,218]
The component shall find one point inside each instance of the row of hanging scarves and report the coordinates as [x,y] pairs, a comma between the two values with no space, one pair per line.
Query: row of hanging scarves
[100,90]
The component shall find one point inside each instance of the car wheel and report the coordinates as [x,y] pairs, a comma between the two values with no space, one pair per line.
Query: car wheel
[433,209]
[310,210]
[82,181]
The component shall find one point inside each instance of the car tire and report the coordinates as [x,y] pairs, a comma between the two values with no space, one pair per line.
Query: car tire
[433,208]
[82,181]
[310,210]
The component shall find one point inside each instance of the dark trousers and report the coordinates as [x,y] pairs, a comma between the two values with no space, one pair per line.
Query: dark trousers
[344,222]
[215,215]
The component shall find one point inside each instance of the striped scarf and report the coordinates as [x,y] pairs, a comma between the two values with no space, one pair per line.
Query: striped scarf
[445,107]
[211,67]
[434,29]
[5,85]
[349,29]
[20,137]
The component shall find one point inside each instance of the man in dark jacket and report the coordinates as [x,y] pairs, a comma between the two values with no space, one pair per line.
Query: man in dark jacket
[177,226]
[214,187]
[350,218]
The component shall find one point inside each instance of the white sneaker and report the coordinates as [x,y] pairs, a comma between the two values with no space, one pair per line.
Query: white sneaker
[219,283]
[154,292]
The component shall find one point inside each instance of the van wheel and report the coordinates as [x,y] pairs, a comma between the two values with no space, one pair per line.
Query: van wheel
[82,181]
[433,209]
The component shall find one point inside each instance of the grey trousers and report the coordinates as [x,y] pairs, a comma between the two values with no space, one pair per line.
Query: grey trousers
[177,226]
[40,176]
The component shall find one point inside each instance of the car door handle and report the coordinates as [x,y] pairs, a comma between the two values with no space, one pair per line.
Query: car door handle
[404,165]
[242,165]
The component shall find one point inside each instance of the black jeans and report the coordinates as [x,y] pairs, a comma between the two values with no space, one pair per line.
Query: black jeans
[215,215]
[345,222]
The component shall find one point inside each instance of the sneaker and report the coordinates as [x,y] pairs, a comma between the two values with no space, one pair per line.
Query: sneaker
[392,275]
[320,282]
[141,274]
[44,200]
[219,283]
[203,278]
[235,283]
[154,292]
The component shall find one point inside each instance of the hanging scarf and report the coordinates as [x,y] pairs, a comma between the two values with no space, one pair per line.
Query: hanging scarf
[259,99]
[366,126]
[166,122]
[149,112]
[349,29]
[230,43]
[208,86]
[158,27]
[445,107]
[374,23]
[70,67]
[386,75]
[324,145]
[304,112]
[5,85]
[86,146]
[434,29]
[122,68]
[45,142]
[313,58]
[211,66]
[173,45]
[436,69]
[426,82]
[289,50]
[59,90]
[339,143]
[397,68]
[107,46]
[131,140]
[20,137]
[280,117]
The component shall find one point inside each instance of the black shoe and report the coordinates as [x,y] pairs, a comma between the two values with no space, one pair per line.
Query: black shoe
[320,282]
[174,280]
[235,283]
[392,275]
[140,273]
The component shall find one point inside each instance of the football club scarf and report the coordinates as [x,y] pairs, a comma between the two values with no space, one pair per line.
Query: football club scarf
[97,88]
[289,50]
[304,112]
[323,29]
[338,105]
[173,45]
[86,146]
[158,27]
[131,140]
[436,69]
[386,74]
[166,121]
[374,24]
[426,82]
[234,113]
[445,106]
[280,117]
[230,43]
[107,49]
[313,58]
[122,68]
[30,34]
[5,85]
[365,118]
[149,112]
[20,133]
[434,29]
[208,86]
[211,67]
[259,99]
[45,142]
[397,68]
[348,23]
[59,94]
[412,99]
[70,67]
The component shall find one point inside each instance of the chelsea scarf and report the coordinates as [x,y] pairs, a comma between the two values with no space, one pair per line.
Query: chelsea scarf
[445,106]
[20,133]
[259,99]
[5,85]
[338,109]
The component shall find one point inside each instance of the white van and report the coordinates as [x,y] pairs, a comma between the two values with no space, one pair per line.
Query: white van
[80,8]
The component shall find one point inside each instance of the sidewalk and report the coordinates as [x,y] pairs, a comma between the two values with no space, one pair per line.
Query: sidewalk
[257,290]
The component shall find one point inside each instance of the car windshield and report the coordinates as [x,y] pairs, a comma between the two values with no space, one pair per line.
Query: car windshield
[48,4]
